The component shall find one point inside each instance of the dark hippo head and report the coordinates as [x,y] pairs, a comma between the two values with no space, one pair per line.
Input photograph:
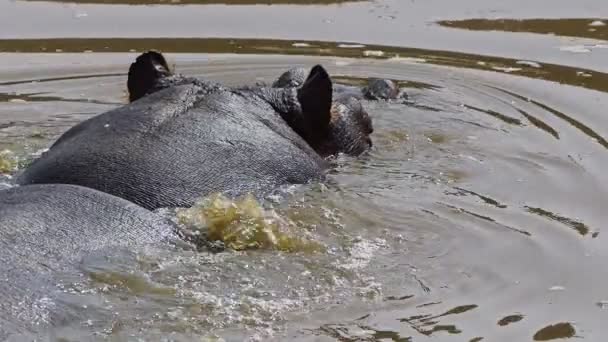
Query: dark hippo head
[306,103]
[381,89]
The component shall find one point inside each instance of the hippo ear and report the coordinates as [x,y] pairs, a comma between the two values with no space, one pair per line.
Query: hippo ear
[144,73]
[315,98]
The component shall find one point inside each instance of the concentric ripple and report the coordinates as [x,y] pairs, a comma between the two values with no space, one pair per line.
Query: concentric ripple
[478,214]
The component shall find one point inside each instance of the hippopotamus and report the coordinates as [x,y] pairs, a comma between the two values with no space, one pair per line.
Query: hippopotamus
[45,231]
[376,88]
[182,138]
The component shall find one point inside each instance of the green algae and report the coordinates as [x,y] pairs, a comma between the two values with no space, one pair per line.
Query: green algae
[244,224]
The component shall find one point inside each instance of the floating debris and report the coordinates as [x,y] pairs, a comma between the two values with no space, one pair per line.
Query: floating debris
[506,69]
[373,53]
[37,135]
[554,332]
[529,63]
[596,23]
[510,319]
[575,49]
[351,46]
[398,58]
[583,74]
[300,45]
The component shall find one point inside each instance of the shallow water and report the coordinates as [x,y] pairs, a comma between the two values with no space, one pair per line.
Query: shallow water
[478,215]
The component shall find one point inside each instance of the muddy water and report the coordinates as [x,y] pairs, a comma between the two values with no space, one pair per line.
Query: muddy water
[478,215]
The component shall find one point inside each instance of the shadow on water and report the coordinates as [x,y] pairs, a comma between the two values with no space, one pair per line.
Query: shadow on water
[341,332]
[487,200]
[552,72]
[428,324]
[504,118]
[568,118]
[577,226]
[580,227]
[459,210]
[583,28]
[203,2]
[538,123]
[424,324]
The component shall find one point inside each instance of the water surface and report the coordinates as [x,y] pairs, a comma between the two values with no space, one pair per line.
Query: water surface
[478,215]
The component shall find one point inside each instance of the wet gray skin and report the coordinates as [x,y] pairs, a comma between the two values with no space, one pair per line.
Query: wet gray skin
[195,138]
[376,88]
[45,231]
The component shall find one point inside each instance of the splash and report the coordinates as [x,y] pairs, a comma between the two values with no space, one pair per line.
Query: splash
[134,283]
[8,162]
[244,224]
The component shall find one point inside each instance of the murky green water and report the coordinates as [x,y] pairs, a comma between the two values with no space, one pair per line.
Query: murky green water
[478,215]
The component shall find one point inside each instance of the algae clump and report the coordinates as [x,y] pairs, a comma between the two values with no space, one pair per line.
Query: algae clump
[8,162]
[244,224]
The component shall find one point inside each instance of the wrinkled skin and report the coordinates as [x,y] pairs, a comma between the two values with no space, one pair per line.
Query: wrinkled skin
[183,138]
[376,89]
[46,230]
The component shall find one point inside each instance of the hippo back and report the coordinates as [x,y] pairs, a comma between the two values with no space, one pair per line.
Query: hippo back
[174,146]
[44,231]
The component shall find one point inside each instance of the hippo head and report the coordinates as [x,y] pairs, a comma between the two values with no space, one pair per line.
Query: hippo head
[382,89]
[330,124]
[305,103]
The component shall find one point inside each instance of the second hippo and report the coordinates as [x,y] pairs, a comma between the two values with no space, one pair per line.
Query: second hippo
[45,232]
